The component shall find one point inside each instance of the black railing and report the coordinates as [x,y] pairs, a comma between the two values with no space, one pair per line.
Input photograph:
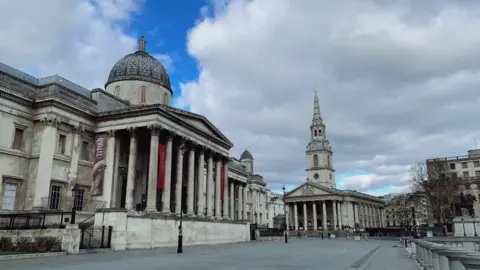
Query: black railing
[34,220]
[96,237]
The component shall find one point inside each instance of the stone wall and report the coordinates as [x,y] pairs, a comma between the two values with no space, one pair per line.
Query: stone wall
[14,235]
[145,231]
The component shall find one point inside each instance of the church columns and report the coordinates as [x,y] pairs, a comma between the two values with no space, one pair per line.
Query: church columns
[210,184]
[225,188]
[218,165]
[231,197]
[152,168]
[132,159]
[243,197]
[305,216]
[314,208]
[191,179]
[340,212]
[324,217]
[295,213]
[334,210]
[179,182]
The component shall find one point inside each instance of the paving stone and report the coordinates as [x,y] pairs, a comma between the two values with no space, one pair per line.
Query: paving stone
[298,254]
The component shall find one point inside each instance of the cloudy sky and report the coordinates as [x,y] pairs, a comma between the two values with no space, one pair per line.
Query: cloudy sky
[398,80]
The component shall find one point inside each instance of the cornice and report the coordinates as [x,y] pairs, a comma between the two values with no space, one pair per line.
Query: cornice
[66,107]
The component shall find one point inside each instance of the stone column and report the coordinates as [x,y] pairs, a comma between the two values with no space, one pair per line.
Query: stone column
[132,159]
[305,216]
[355,208]
[48,144]
[232,200]
[295,213]
[244,203]
[218,164]
[334,206]
[340,212]
[201,183]
[73,173]
[152,169]
[209,185]
[324,215]
[179,182]
[167,189]
[109,170]
[225,189]
[191,179]
[314,208]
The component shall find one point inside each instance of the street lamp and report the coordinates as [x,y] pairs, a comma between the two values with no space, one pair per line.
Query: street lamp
[180,236]
[256,219]
[285,213]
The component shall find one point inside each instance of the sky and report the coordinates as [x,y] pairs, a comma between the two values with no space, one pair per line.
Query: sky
[398,80]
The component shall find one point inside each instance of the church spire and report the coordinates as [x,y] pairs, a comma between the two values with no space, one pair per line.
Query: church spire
[317,118]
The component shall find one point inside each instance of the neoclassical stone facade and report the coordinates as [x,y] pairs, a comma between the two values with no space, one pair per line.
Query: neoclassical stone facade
[317,204]
[122,147]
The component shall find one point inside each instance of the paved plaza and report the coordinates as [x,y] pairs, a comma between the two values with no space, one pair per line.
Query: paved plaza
[298,254]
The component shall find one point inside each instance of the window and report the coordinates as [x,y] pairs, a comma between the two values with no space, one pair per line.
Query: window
[78,196]
[452,166]
[476,163]
[117,92]
[18,139]
[464,165]
[54,201]
[9,195]
[165,99]
[315,160]
[143,95]
[477,173]
[328,161]
[85,150]
[61,145]
[465,175]
[315,132]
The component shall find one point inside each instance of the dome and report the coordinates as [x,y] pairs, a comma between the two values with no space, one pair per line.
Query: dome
[246,155]
[139,66]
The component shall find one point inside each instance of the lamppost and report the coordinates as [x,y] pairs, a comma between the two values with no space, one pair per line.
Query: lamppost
[463,223]
[285,213]
[180,236]
[256,220]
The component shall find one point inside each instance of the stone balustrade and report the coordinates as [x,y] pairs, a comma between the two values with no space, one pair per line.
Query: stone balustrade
[437,256]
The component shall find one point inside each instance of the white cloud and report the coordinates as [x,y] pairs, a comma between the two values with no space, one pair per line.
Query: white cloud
[80,40]
[398,82]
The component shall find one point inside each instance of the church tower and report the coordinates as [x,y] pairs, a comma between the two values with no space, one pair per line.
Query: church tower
[319,152]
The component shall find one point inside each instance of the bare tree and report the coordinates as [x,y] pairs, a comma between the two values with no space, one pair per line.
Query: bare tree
[440,188]
[402,210]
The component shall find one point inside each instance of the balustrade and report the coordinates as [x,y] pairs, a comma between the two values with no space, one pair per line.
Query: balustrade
[439,256]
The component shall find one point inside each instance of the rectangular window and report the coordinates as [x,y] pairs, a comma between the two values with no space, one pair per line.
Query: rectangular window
[78,196]
[9,196]
[85,150]
[452,166]
[464,165]
[477,173]
[55,196]
[62,141]
[476,163]
[465,175]
[18,139]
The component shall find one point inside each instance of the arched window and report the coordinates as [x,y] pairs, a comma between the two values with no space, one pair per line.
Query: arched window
[319,132]
[328,161]
[143,95]
[315,160]
[165,99]
[117,91]
[315,132]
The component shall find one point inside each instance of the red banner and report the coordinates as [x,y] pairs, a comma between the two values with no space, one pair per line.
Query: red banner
[99,165]
[222,182]
[161,166]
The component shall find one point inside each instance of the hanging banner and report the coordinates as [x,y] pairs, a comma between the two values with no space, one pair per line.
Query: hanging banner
[161,166]
[222,182]
[98,170]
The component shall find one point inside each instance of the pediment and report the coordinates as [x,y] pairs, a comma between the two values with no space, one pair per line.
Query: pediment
[199,122]
[308,189]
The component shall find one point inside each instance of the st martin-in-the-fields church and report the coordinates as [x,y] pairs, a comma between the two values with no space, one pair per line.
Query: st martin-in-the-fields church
[317,204]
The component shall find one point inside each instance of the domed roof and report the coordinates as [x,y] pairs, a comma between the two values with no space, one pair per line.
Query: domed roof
[139,66]
[246,155]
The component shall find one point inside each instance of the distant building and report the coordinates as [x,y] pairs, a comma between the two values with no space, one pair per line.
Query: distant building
[407,209]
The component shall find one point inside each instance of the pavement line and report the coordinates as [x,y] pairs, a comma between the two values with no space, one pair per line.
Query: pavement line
[358,264]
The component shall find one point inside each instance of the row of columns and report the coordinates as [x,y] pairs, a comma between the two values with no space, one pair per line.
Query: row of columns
[208,190]
[372,216]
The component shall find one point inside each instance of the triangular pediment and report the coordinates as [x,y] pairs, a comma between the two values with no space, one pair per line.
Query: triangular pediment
[200,122]
[309,189]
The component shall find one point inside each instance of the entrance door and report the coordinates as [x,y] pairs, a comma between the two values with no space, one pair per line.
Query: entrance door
[9,195]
